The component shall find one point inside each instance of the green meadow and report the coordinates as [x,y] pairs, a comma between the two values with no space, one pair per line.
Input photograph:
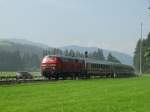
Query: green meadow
[94,95]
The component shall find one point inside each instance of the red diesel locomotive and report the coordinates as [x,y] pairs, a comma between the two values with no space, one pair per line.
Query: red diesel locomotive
[54,66]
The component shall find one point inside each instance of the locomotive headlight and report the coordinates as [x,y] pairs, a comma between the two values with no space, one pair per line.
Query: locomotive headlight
[53,68]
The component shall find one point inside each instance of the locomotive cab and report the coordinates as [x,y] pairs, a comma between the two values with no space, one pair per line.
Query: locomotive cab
[50,66]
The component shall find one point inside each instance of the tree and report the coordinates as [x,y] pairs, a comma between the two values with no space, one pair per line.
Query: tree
[71,53]
[77,54]
[137,56]
[66,52]
[97,55]
[10,61]
[100,54]
[111,58]
[145,54]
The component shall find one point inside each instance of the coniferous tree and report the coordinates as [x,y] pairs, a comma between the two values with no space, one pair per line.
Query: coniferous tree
[66,52]
[71,53]
[111,58]
[100,54]
[145,54]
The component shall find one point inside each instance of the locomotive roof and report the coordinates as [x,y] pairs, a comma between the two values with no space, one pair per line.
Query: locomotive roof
[88,60]
[62,56]
[94,61]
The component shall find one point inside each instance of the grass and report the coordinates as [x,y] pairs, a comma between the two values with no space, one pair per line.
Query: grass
[95,95]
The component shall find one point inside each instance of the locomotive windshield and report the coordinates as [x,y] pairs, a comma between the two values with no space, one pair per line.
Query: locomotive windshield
[48,58]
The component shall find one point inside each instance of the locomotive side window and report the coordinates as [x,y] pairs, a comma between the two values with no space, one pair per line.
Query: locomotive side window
[97,65]
[106,66]
[64,59]
[76,61]
[100,66]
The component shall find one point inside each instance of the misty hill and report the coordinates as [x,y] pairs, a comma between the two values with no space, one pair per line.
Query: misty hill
[124,58]
[22,46]
[24,42]
[25,46]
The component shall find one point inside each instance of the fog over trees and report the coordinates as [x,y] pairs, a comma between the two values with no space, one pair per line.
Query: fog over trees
[22,60]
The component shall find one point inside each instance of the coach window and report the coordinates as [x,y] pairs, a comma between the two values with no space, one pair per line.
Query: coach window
[100,66]
[63,60]
[66,60]
[88,65]
[109,66]
[76,60]
[103,66]
[106,66]
[93,65]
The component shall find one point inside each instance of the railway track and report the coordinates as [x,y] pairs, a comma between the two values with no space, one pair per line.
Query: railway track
[13,80]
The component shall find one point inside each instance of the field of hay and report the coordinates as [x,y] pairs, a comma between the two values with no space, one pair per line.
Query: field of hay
[93,95]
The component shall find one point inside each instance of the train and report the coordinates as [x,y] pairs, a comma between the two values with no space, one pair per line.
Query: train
[57,66]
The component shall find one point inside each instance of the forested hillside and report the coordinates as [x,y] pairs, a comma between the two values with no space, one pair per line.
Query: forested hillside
[124,58]
[15,56]
[25,56]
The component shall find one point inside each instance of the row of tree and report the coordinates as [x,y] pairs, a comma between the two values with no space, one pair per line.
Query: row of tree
[94,55]
[13,61]
[18,61]
[143,49]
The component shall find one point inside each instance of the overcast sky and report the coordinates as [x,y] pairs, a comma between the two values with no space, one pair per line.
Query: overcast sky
[109,24]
